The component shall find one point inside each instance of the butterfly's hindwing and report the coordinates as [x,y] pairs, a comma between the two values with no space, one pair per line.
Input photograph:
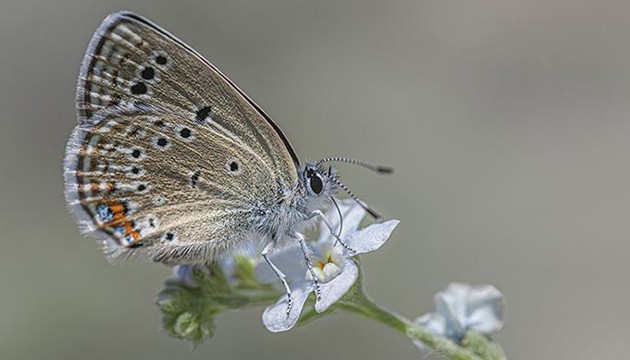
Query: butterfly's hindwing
[135,180]
[169,159]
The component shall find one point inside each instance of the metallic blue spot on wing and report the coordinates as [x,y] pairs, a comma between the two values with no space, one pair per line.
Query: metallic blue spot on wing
[104,213]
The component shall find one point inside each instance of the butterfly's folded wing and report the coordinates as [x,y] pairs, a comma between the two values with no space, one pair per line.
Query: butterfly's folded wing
[169,158]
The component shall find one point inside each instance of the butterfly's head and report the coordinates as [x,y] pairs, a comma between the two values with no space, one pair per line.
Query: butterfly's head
[319,182]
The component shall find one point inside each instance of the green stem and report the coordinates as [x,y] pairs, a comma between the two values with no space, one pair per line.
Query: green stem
[361,304]
[366,307]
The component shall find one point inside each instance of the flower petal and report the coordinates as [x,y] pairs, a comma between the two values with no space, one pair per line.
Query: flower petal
[335,289]
[371,237]
[331,271]
[289,260]
[432,322]
[275,316]
[352,214]
[486,309]
[435,324]
[451,304]
[465,307]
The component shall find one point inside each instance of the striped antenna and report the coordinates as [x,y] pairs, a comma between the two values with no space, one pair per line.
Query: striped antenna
[376,168]
[377,217]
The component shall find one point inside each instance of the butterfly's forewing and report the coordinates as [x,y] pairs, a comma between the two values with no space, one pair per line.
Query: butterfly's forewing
[132,59]
[169,158]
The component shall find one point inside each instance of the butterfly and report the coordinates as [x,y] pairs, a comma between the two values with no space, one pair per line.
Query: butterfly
[171,161]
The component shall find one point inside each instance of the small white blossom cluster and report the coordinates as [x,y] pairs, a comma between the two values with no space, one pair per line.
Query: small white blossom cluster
[332,263]
[462,308]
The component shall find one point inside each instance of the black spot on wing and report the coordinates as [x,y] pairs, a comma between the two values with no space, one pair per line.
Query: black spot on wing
[185,133]
[204,114]
[194,178]
[139,88]
[161,60]
[148,73]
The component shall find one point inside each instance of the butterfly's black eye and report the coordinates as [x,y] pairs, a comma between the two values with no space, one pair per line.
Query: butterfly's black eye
[316,183]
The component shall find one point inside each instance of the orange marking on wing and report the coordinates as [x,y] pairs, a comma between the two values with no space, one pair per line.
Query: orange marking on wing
[119,213]
[128,227]
[117,207]
[120,219]
[129,230]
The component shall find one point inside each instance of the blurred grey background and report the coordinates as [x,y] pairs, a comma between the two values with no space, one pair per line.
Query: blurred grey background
[507,122]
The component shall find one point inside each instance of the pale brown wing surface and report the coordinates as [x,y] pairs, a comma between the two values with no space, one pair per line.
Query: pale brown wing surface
[136,181]
[170,159]
[131,59]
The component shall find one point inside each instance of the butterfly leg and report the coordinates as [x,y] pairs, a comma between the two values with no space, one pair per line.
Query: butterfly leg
[322,216]
[264,253]
[309,264]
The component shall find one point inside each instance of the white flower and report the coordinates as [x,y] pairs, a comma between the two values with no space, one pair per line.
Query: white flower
[336,272]
[461,308]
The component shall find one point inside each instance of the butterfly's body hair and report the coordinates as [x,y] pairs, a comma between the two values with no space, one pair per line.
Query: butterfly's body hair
[292,211]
